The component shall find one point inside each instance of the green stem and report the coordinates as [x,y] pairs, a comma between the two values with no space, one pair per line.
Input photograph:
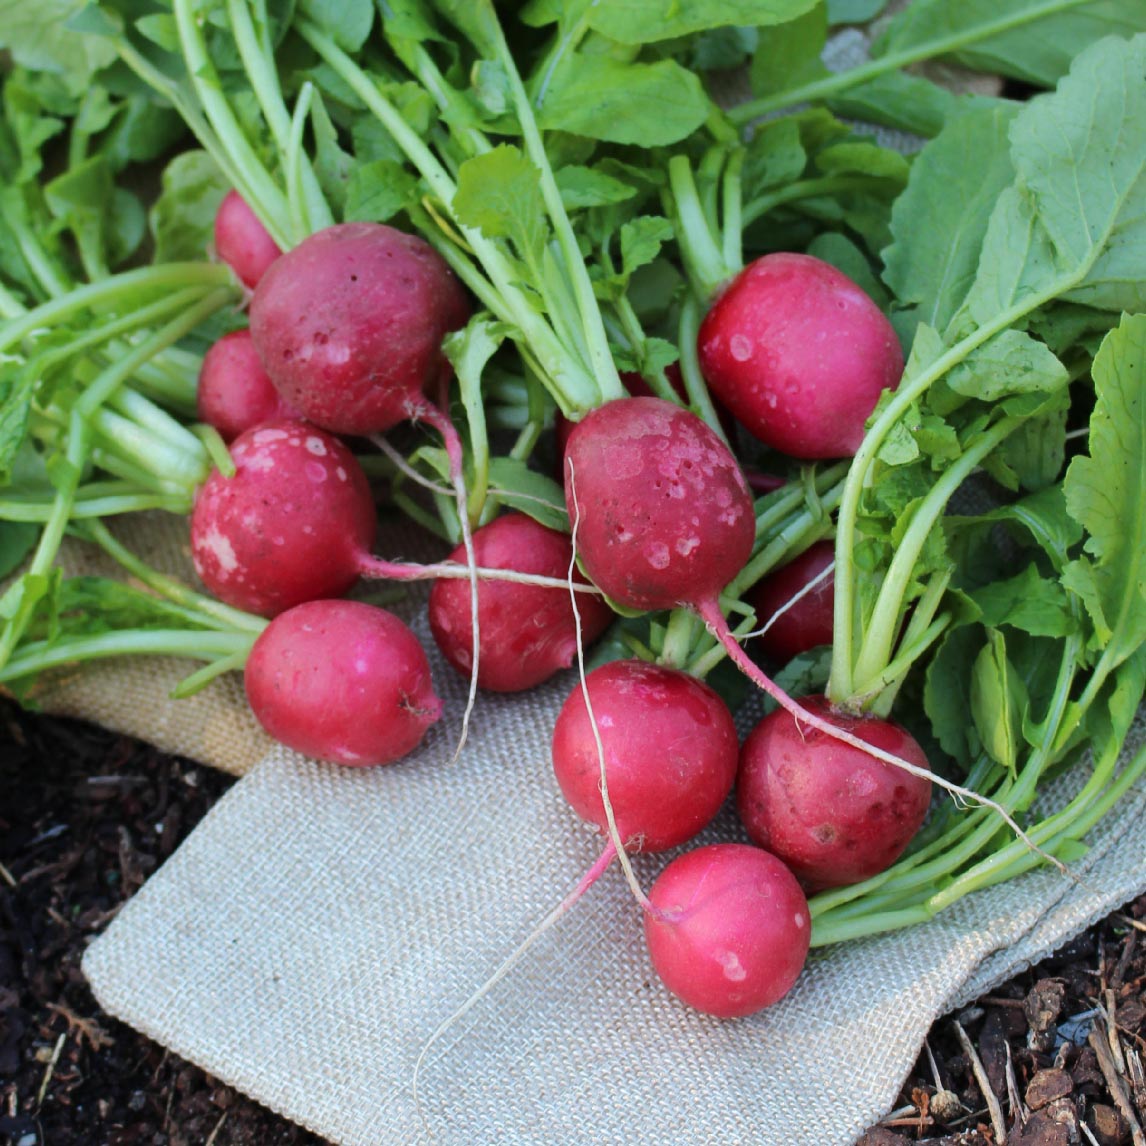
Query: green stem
[808,189]
[940,46]
[679,635]
[733,213]
[700,400]
[881,630]
[701,254]
[121,289]
[23,507]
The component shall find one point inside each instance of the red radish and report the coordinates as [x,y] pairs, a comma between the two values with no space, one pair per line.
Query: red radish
[342,681]
[293,524]
[729,929]
[349,325]
[796,623]
[663,513]
[235,392]
[799,354]
[241,241]
[527,632]
[833,813]
[670,750]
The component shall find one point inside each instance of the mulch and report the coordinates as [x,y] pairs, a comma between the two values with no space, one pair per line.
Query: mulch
[1052,1058]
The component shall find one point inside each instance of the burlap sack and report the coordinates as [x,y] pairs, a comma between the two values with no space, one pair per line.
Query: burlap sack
[313,933]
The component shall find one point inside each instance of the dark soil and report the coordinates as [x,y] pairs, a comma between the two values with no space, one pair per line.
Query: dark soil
[86,816]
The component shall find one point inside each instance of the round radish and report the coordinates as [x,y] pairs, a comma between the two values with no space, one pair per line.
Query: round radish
[729,929]
[342,681]
[349,325]
[831,812]
[796,623]
[663,513]
[527,632]
[293,524]
[670,751]
[799,354]
[241,241]
[234,390]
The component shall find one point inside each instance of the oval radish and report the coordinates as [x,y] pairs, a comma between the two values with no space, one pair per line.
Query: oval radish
[527,632]
[834,814]
[729,929]
[242,242]
[670,749]
[342,681]
[799,354]
[235,392]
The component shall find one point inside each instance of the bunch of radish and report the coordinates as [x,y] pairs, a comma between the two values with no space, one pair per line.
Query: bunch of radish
[511,287]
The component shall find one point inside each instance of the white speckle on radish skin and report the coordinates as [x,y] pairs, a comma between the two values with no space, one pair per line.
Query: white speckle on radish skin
[799,919]
[221,549]
[657,555]
[740,347]
[261,437]
[316,446]
[685,545]
[733,969]
[315,472]
[341,473]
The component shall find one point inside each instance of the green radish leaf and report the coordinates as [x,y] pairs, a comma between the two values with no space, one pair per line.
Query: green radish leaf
[1106,495]
[17,386]
[1028,601]
[646,21]
[183,216]
[947,693]
[587,187]
[1042,40]
[903,102]
[939,222]
[854,11]
[515,485]
[1034,453]
[998,702]
[723,49]
[500,194]
[837,249]
[651,105]
[1010,363]
[775,156]
[409,19]
[38,36]
[346,22]
[377,191]
[1112,720]
[789,54]
[641,241]
[861,157]
[17,540]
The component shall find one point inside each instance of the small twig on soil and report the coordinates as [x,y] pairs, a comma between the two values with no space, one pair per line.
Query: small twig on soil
[1137,924]
[989,1096]
[7,876]
[1086,1130]
[89,1029]
[49,1070]
[1112,1032]
[215,1133]
[1128,949]
[1018,1107]
[1099,1042]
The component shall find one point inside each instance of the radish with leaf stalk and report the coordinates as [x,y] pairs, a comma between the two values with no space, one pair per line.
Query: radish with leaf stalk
[794,604]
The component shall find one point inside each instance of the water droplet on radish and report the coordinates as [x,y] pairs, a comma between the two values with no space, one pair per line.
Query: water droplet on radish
[316,446]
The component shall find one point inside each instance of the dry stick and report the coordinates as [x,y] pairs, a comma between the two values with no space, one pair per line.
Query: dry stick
[587,880]
[989,1096]
[610,818]
[1112,1032]
[1114,1082]
[709,612]
[1018,1107]
[795,599]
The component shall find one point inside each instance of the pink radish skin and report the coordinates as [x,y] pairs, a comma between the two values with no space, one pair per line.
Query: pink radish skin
[349,325]
[663,513]
[527,632]
[242,242]
[670,753]
[293,524]
[808,622]
[729,929]
[799,354]
[235,392]
[832,813]
[342,681]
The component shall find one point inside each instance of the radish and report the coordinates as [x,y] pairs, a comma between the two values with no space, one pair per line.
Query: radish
[349,325]
[294,522]
[234,391]
[729,929]
[663,513]
[342,681]
[799,354]
[527,632]
[242,242]
[670,750]
[831,812]
[795,604]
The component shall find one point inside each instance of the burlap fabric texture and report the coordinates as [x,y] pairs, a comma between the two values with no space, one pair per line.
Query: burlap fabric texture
[311,935]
